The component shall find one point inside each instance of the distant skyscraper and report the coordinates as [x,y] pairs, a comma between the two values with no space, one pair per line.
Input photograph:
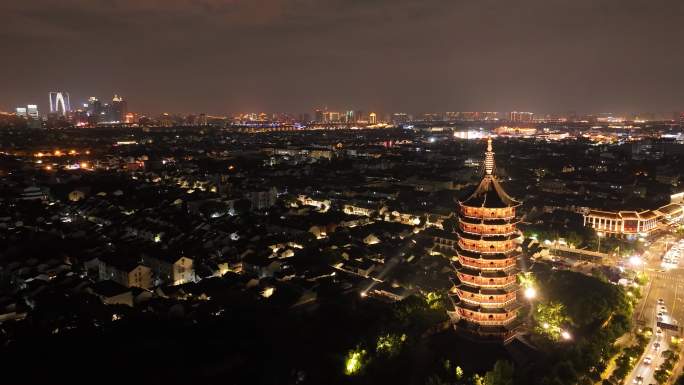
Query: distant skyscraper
[349,117]
[373,118]
[400,118]
[117,109]
[489,115]
[94,110]
[318,116]
[94,106]
[332,117]
[59,103]
[32,111]
[522,117]
[130,118]
[165,120]
[202,120]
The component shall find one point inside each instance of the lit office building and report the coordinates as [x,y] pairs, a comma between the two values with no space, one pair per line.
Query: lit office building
[518,116]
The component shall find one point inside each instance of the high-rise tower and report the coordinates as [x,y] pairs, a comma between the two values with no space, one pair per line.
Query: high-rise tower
[118,109]
[485,289]
[59,103]
[373,118]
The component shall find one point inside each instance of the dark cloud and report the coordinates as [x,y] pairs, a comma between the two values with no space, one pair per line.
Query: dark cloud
[277,55]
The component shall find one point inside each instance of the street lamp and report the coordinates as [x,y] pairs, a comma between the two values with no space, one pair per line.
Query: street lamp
[635,261]
[566,335]
[530,293]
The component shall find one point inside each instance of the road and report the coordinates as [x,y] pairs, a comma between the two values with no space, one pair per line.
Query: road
[666,285]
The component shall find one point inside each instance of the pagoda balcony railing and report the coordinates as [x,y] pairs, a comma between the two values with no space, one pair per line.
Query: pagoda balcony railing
[482,299]
[493,282]
[487,319]
[488,229]
[487,213]
[503,264]
[487,247]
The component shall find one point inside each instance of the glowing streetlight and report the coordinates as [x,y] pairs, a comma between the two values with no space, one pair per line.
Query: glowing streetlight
[530,292]
[635,260]
[363,294]
[566,335]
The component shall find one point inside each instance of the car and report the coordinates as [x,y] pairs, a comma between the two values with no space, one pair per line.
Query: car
[659,332]
[661,301]
[663,310]
[656,346]
[648,360]
[660,314]
[638,380]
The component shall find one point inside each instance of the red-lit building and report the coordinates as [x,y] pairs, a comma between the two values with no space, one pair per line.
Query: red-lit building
[484,295]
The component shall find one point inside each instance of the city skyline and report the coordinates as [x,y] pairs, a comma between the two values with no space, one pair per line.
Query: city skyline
[616,56]
[81,103]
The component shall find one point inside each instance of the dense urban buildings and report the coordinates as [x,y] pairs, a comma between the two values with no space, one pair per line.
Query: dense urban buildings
[194,224]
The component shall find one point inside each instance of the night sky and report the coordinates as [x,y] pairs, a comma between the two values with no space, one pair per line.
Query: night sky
[385,55]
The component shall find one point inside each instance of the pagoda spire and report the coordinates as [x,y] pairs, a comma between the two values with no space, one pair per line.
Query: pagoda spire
[489,158]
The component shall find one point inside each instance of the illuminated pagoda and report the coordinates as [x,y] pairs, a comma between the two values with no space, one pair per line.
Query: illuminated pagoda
[485,289]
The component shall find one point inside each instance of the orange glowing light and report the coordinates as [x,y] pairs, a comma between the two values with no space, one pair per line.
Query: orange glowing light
[48,168]
[58,153]
[39,154]
[87,152]
[84,165]
[72,152]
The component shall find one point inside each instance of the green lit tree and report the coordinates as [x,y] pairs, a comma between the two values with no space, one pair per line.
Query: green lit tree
[355,361]
[550,319]
[390,344]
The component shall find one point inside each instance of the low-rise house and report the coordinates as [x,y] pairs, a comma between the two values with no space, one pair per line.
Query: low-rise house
[125,271]
[170,269]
